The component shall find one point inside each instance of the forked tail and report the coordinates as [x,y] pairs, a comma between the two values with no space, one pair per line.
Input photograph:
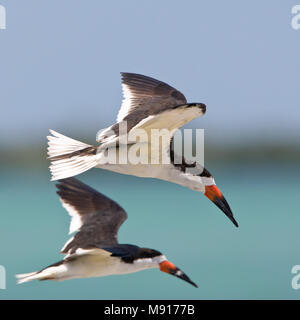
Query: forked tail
[69,157]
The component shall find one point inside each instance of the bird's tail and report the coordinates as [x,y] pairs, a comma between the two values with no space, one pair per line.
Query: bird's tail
[26,277]
[56,272]
[38,275]
[46,274]
[69,157]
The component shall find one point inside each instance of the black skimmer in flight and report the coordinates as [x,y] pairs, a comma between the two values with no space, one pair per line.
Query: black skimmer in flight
[94,251]
[148,104]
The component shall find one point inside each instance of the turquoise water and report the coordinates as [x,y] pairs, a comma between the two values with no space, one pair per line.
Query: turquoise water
[251,262]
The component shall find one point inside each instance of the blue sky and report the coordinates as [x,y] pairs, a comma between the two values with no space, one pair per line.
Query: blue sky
[60,64]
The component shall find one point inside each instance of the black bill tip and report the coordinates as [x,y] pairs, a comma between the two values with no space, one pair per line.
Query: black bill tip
[222,204]
[181,275]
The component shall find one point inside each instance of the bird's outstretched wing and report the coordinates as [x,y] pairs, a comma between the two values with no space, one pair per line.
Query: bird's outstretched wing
[95,217]
[145,96]
[149,104]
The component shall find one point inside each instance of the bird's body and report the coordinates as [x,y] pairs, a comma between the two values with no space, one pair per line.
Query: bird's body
[168,172]
[149,106]
[94,250]
[90,264]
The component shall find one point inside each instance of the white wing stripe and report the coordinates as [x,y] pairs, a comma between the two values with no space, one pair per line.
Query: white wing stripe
[126,103]
[76,221]
[66,244]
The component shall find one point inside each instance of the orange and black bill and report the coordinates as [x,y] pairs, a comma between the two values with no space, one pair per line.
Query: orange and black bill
[170,268]
[215,195]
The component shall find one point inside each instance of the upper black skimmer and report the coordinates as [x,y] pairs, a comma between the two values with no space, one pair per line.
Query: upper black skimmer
[148,104]
[94,251]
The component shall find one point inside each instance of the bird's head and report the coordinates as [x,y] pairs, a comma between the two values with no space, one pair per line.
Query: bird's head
[168,267]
